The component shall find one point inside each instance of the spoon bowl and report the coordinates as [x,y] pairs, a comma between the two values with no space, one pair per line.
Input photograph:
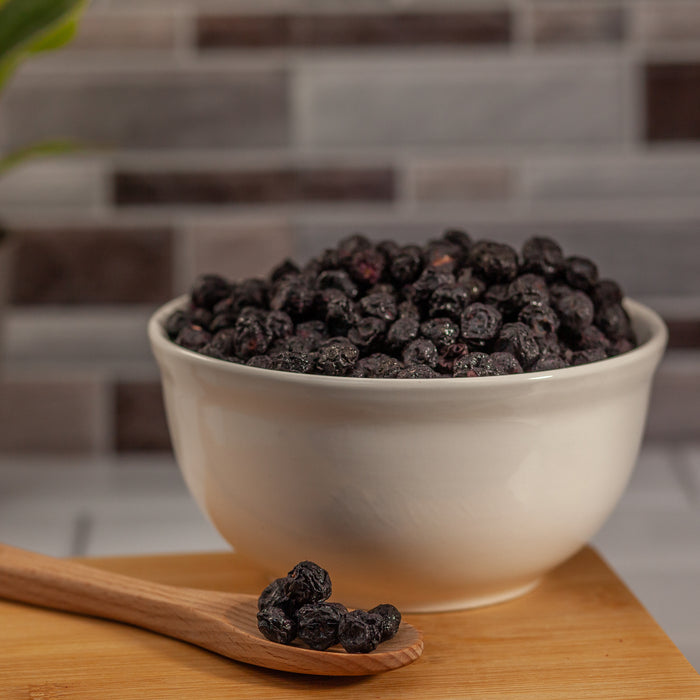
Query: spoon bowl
[224,623]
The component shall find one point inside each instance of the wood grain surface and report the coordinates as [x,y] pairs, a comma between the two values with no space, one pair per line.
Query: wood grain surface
[580,634]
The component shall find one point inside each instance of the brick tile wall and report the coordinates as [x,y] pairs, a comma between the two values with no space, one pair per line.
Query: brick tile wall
[224,137]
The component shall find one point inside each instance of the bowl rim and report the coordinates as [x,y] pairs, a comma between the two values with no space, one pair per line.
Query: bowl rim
[651,349]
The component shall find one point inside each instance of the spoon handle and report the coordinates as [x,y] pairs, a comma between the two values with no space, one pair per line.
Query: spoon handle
[46,581]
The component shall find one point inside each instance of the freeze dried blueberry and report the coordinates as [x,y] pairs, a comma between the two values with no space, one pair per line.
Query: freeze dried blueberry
[367,266]
[526,289]
[473,364]
[294,296]
[308,583]
[495,262]
[448,300]
[406,265]
[277,626]
[541,319]
[459,238]
[175,322]
[391,619]
[318,625]
[430,279]
[442,255]
[614,322]
[250,337]
[441,331]
[286,268]
[448,357]
[417,372]
[504,363]
[420,352]
[379,304]
[208,289]
[289,361]
[472,283]
[543,256]
[377,365]
[495,295]
[336,357]
[368,335]
[337,279]
[402,332]
[606,293]
[580,273]
[575,311]
[222,345]
[583,357]
[350,245]
[252,292]
[337,310]
[518,340]
[260,361]
[549,362]
[360,631]
[278,324]
[193,337]
[480,324]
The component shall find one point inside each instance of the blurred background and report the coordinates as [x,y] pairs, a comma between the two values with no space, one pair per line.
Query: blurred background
[224,135]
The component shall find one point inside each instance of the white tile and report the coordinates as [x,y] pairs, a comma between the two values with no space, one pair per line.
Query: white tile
[472,100]
[38,529]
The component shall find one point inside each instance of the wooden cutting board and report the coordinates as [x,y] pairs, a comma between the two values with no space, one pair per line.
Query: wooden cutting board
[580,634]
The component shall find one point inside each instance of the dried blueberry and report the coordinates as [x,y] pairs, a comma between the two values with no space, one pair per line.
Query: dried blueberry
[289,361]
[494,262]
[417,372]
[286,268]
[541,319]
[377,365]
[208,289]
[580,273]
[275,595]
[391,619]
[614,322]
[175,322]
[543,256]
[193,337]
[294,296]
[360,631]
[402,332]
[250,337]
[318,625]
[406,265]
[308,583]
[420,352]
[337,279]
[368,335]
[518,340]
[276,625]
[448,300]
[441,331]
[367,266]
[575,311]
[381,305]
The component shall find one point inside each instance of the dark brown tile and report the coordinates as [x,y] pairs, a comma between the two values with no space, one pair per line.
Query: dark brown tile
[154,109]
[215,31]
[683,333]
[139,415]
[568,23]
[672,101]
[254,187]
[88,265]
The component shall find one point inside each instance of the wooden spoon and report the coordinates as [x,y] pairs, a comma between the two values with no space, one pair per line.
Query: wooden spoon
[221,622]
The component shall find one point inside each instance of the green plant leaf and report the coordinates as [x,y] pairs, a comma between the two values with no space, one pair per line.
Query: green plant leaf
[31,26]
[54,147]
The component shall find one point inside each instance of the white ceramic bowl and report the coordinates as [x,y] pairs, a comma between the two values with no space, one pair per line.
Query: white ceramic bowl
[432,494]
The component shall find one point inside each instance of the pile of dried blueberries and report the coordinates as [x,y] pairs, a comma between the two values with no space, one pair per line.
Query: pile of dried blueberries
[296,607]
[453,307]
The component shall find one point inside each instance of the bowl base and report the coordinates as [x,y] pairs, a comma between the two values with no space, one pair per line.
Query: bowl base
[473,601]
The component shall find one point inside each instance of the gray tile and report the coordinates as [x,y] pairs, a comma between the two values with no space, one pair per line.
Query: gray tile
[689,471]
[654,484]
[652,540]
[69,336]
[150,108]
[52,412]
[608,177]
[68,183]
[457,179]
[139,526]
[39,530]
[567,23]
[475,100]
[666,20]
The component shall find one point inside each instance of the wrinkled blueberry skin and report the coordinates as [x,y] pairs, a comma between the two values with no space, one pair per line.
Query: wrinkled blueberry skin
[385,310]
